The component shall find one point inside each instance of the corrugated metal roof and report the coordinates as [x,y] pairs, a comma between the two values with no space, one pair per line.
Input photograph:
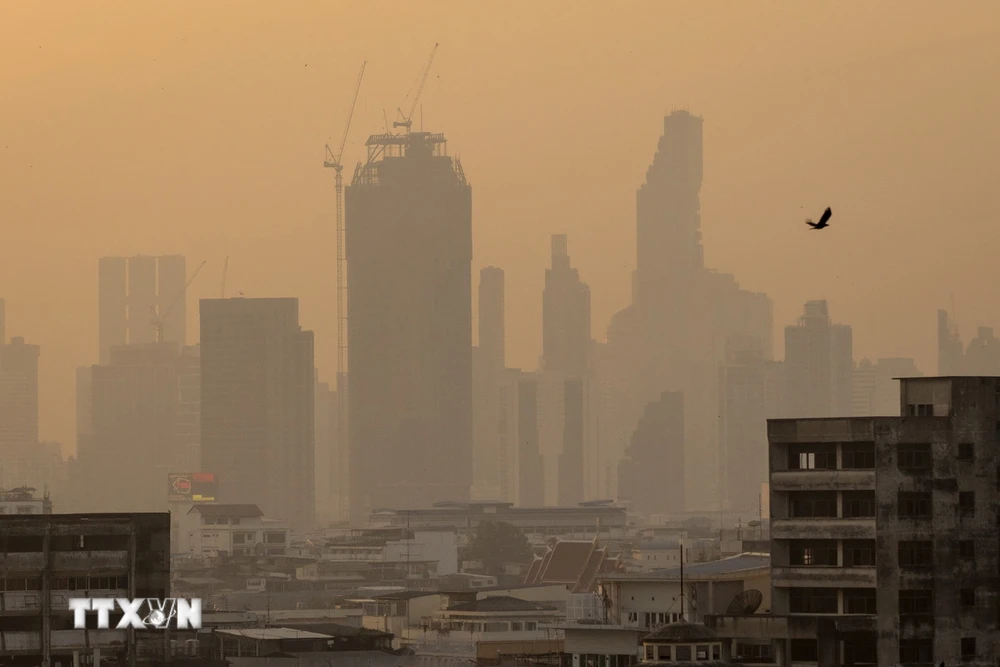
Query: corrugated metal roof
[272,633]
[731,565]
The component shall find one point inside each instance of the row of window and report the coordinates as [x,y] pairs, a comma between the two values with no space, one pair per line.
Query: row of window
[922,650]
[910,457]
[861,553]
[861,504]
[917,602]
[14,584]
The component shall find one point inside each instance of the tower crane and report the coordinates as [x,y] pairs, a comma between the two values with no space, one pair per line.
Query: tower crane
[408,118]
[333,161]
[157,321]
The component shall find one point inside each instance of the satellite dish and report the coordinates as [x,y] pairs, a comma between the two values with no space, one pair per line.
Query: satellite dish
[754,523]
[745,603]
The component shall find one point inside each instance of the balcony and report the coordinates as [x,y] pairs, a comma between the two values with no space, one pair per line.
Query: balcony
[21,641]
[21,562]
[86,561]
[71,639]
[823,480]
[821,576]
[823,529]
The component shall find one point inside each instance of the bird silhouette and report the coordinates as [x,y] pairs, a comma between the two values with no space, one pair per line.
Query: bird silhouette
[822,221]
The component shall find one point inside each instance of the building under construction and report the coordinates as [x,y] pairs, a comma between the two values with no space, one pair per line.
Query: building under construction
[409,289]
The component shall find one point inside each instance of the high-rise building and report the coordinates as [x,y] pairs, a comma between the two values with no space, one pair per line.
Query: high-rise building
[131,291]
[819,366]
[749,393]
[329,485]
[487,376]
[18,408]
[257,403]
[892,522]
[531,473]
[571,459]
[565,315]
[409,300]
[685,310]
[140,428]
[950,350]
[651,476]
[863,386]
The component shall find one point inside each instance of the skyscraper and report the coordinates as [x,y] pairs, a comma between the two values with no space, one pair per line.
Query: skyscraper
[130,291]
[489,418]
[819,366]
[651,476]
[18,408]
[409,300]
[565,315]
[491,317]
[257,403]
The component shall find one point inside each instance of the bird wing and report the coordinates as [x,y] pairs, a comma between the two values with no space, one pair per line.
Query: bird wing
[826,215]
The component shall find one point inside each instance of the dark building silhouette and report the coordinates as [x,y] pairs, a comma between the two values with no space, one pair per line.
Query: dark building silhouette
[687,311]
[531,474]
[819,365]
[409,265]
[565,315]
[130,291]
[138,431]
[491,400]
[571,460]
[257,403]
[651,476]
[950,352]
[18,408]
[750,392]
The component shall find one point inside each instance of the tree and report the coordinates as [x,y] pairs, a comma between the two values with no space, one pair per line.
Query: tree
[497,543]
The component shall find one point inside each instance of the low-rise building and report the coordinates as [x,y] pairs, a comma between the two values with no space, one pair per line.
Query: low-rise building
[211,529]
[24,500]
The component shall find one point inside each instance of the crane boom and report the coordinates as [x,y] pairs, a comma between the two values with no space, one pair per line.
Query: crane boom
[158,319]
[408,118]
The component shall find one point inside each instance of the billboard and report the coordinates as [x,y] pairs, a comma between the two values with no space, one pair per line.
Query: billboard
[191,487]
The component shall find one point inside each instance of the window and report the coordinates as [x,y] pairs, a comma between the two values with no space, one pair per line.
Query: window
[920,410]
[858,456]
[859,553]
[812,600]
[859,600]
[967,503]
[914,505]
[812,457]
[914,457]
[274,538]
[682,653]
[812,552]
[716,651]
[968,649]
[859,504]
[916,603]
[753,652]
[967,596]
[701,652]
[967,550]
[805,504]
[916,651]
[914,554]
[804,650]
[966,451]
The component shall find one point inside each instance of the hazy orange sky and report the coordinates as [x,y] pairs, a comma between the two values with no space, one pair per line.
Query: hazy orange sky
[197,127]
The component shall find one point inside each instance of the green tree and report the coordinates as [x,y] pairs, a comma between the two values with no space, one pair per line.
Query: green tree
[497,543]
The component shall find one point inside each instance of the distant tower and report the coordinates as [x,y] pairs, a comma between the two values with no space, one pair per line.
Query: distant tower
[130,290]
[950,351]
[257,405]
[409,300]
[491,317]
[531,482]
[565,315]
[819,365]
[18,408]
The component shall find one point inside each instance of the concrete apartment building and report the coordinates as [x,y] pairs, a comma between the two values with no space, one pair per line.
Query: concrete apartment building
[47,559]
[884,530]
[208,530]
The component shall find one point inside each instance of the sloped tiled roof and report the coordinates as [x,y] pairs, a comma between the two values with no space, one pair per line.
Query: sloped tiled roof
[500,603]
[567,562]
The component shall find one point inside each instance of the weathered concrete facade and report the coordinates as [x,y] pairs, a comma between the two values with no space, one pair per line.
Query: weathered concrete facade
[46,559]
[893,519]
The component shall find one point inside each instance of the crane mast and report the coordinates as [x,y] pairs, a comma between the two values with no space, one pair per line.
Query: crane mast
[333,161]
[158,319]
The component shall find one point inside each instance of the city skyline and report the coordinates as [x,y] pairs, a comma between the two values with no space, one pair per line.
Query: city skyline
[202,190]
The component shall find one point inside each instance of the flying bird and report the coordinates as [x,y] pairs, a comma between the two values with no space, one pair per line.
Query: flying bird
[822,221]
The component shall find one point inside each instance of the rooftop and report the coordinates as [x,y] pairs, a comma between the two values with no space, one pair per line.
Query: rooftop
[500,603]
[734,565]
[216,510]
[264,634]
[681,633]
